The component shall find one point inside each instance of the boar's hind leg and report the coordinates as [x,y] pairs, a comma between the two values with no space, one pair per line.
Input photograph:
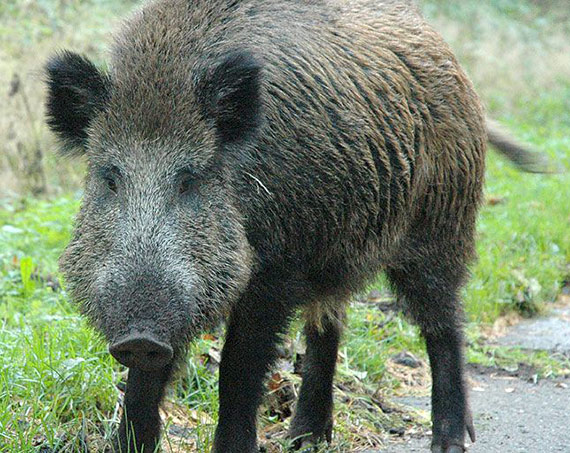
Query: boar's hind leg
[140,425]
[430,290]
[253,331]
[313,418]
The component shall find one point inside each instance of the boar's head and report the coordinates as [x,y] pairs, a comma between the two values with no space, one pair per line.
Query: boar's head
[159,249]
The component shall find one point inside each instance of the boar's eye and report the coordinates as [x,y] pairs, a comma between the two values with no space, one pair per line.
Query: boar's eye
[110,177]
[187,183]
[111,183]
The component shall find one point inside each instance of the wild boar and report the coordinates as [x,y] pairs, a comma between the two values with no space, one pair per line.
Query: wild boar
[249,159]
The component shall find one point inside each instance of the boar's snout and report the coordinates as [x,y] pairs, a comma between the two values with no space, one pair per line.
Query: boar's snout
[141,350]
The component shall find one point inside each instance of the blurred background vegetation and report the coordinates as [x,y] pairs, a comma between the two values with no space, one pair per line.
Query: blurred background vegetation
[516,52]
[57,382]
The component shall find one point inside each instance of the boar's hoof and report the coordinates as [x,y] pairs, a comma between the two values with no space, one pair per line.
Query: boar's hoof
[450,449]
[307,446]
[303,442]
[141,350]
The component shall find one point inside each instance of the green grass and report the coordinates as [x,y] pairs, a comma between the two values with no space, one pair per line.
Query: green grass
[52,367]
[525,237]
[58,384]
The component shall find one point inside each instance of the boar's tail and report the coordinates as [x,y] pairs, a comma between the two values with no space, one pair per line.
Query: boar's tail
[524,158]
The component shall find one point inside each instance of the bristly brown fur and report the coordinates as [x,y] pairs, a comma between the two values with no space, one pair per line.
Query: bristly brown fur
[258,156]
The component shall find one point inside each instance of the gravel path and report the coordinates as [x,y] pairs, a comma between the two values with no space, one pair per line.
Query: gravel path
[515,414]
[511,416]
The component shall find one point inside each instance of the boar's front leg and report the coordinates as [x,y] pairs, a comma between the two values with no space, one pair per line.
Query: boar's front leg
[140,425]
[313,419]
[253,331]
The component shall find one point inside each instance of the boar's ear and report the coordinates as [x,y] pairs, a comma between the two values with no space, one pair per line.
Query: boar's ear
[76,91]
[230,95]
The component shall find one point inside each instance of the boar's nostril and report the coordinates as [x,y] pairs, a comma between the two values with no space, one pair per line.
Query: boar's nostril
[141,350]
